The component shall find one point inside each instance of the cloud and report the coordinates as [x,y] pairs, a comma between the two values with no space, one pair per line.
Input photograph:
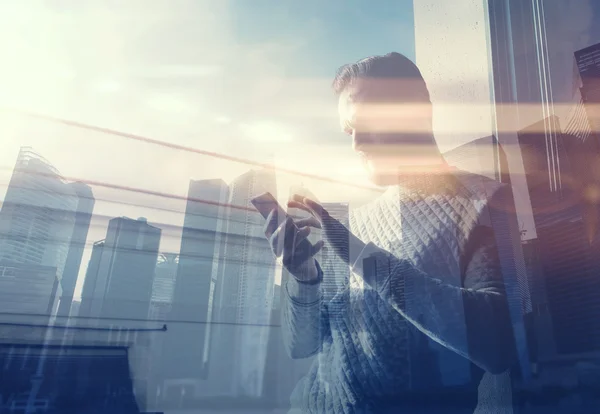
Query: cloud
[223,119]
[107,86]
[177,71]
[169,103]
[266,131]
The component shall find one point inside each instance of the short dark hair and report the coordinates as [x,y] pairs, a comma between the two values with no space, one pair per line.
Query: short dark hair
[393,66]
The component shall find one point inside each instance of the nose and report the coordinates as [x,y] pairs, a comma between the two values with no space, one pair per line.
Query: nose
[363,141]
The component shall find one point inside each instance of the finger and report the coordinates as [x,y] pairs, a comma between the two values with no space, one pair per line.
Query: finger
[287,233]
[317,247]
[298,198]
[309,221]
[299,206]
[293,237]
[291,255]
[302,234]
[295,255]
[316,208]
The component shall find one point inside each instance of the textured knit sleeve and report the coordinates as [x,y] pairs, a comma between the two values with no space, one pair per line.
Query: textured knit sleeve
[305,320]
[443,311]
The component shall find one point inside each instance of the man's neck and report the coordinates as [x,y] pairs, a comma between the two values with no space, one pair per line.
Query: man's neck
[428,178]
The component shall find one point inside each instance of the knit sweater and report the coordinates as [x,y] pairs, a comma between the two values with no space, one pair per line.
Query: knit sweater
[424,316]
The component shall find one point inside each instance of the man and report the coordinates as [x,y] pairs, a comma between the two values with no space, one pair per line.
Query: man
[424,316]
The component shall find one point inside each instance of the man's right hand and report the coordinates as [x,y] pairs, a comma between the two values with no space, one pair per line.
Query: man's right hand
[285,239]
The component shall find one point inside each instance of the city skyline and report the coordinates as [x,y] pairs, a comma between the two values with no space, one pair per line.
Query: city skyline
[120,281]
[172,233]
[135,275]
[239,207]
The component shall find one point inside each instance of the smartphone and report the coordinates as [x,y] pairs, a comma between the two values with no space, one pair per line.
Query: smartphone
[265,203]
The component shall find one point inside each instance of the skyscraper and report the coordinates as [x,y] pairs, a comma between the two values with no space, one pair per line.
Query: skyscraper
[89,294]
[121,271]
[187,345]
[570,278]
[163,286]
[244,291]
[584,124]
[42,284]
[573,286]
[83,216]
[541,334]
[75,308]
[37,220]
[576,121]
[589,76]
[331,262]
[276,297]
[547,169]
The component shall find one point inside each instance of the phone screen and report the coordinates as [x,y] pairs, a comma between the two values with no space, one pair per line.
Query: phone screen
[265,203]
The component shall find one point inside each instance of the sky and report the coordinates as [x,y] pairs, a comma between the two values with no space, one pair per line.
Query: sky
[249,79]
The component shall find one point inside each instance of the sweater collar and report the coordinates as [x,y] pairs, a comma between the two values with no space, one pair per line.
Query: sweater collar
[426,183]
